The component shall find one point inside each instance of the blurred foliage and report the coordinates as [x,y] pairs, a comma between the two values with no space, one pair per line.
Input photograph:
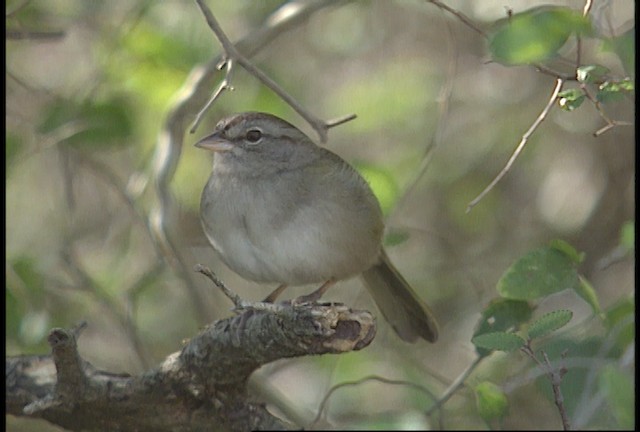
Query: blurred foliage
[87,104]
[535,35]
[491,401]
[99,124]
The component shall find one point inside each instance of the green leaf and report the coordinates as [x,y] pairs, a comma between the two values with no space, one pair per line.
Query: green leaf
[502,315]
[628,236]
[618,391]
[491,401]
[585,290]
[620,323]
[500,341]
[570,99]
[591,73]
[535,35]
[612,91]
[93,123]
[624,46]
[549,322]
[538,274]
[568,250]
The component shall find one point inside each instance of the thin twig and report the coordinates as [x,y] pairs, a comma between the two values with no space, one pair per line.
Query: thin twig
[340,120]
[462,17]
[606,128]
[555,376]
[361,381]
[455,386]
[596,103]
[235,298]
[231,54]
[224,85]
[520,147]
[551,72]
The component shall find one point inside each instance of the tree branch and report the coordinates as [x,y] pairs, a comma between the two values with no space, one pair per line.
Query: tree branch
[203,387]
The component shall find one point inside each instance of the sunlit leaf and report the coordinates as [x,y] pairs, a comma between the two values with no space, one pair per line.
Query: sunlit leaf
[612,91]
[491,401]
[535,35]
[568,250]
[571,99]
[591,73]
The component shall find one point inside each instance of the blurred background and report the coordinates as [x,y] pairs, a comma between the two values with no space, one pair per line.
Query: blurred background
[98,157]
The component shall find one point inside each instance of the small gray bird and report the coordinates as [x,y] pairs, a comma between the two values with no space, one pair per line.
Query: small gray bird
[280,209]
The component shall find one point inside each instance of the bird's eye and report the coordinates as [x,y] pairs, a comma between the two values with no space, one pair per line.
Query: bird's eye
[254,135]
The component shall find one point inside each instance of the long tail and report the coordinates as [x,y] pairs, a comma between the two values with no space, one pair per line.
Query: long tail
[409,316]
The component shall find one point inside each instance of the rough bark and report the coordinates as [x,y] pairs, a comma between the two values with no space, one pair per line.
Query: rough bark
[203,387]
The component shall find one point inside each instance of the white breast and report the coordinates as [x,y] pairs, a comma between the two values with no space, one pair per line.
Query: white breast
[299,241]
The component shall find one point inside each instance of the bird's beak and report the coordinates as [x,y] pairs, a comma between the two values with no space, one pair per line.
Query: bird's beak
[215,143]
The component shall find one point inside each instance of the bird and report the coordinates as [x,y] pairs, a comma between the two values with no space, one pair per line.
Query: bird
[279,209]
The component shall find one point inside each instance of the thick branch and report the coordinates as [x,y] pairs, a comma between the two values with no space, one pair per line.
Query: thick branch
[201,388]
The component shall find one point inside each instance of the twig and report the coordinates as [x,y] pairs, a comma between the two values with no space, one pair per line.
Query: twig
[555,376]
[238,302]
[556,379]
[455,386]
[596,103]
[361,381]
[225,84]
[585,12]
[520,147]
[235,298]
[232,55]
[340,120]
[462,17]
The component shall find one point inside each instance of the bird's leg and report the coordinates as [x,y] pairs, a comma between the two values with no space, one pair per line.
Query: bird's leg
[274,295]
[316,295]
